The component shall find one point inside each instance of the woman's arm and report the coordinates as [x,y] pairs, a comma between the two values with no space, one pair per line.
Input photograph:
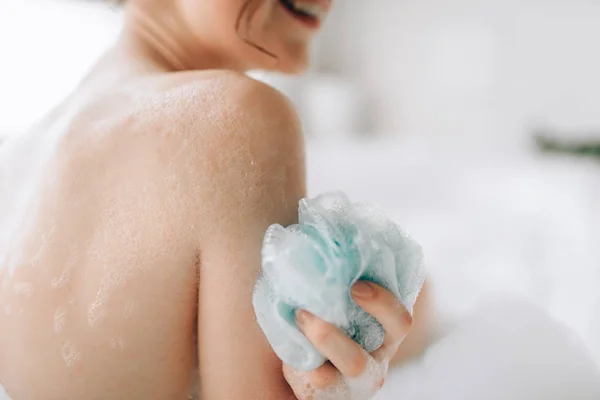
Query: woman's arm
[258,168]
[420,335]
[257,177]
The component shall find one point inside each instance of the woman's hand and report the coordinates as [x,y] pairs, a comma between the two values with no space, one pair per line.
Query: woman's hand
[351,373]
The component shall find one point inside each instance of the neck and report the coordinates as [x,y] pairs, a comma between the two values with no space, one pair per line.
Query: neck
[157,33]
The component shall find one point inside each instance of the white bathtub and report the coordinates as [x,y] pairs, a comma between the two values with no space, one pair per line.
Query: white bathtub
[493,226]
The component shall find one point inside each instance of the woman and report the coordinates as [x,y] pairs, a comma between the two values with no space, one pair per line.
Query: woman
[132,216]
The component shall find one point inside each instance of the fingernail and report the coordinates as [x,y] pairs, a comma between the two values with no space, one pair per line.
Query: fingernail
[302,317]
[363,290]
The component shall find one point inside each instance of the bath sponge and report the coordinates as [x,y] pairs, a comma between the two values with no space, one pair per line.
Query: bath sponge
[312,266]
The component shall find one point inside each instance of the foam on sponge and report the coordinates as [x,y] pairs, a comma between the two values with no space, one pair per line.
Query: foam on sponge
[312,266]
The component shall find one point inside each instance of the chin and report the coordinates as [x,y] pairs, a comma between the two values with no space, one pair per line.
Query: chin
[293,67]
[294,61]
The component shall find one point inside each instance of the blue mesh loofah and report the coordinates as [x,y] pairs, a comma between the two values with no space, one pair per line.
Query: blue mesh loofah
[313,265]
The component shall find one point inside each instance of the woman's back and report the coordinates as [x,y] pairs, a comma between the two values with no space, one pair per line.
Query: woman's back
[114,209]
[135,199]
[98,265]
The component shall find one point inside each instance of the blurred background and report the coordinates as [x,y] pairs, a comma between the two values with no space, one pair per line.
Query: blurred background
[475,123]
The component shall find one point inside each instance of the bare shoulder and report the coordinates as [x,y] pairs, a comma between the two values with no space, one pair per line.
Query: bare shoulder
[222,97]
[221,110]
[239,139]
[201,144]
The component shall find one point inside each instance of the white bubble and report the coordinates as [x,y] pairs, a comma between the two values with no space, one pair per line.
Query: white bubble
[70,354]
[336,392]
[23,288]
[369,382]
[96,314]
[117,343]
[59,319]
[62,280]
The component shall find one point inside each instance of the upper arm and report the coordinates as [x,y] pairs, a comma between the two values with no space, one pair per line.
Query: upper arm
[257,168]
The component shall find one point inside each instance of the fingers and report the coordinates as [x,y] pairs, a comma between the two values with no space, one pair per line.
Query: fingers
[299,383]
[350,367]
[326,383]
[385,307]
[344,353]
[306,383]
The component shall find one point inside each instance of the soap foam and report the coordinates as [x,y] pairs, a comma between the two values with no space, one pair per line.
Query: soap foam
[23,289]
[70,354]
[313,265]
[117,343]
[59,319]
[361,387]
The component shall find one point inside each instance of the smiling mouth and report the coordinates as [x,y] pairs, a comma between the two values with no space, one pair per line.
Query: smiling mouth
[308,11]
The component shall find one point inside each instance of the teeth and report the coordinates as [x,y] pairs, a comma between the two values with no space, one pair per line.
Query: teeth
[312,9]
